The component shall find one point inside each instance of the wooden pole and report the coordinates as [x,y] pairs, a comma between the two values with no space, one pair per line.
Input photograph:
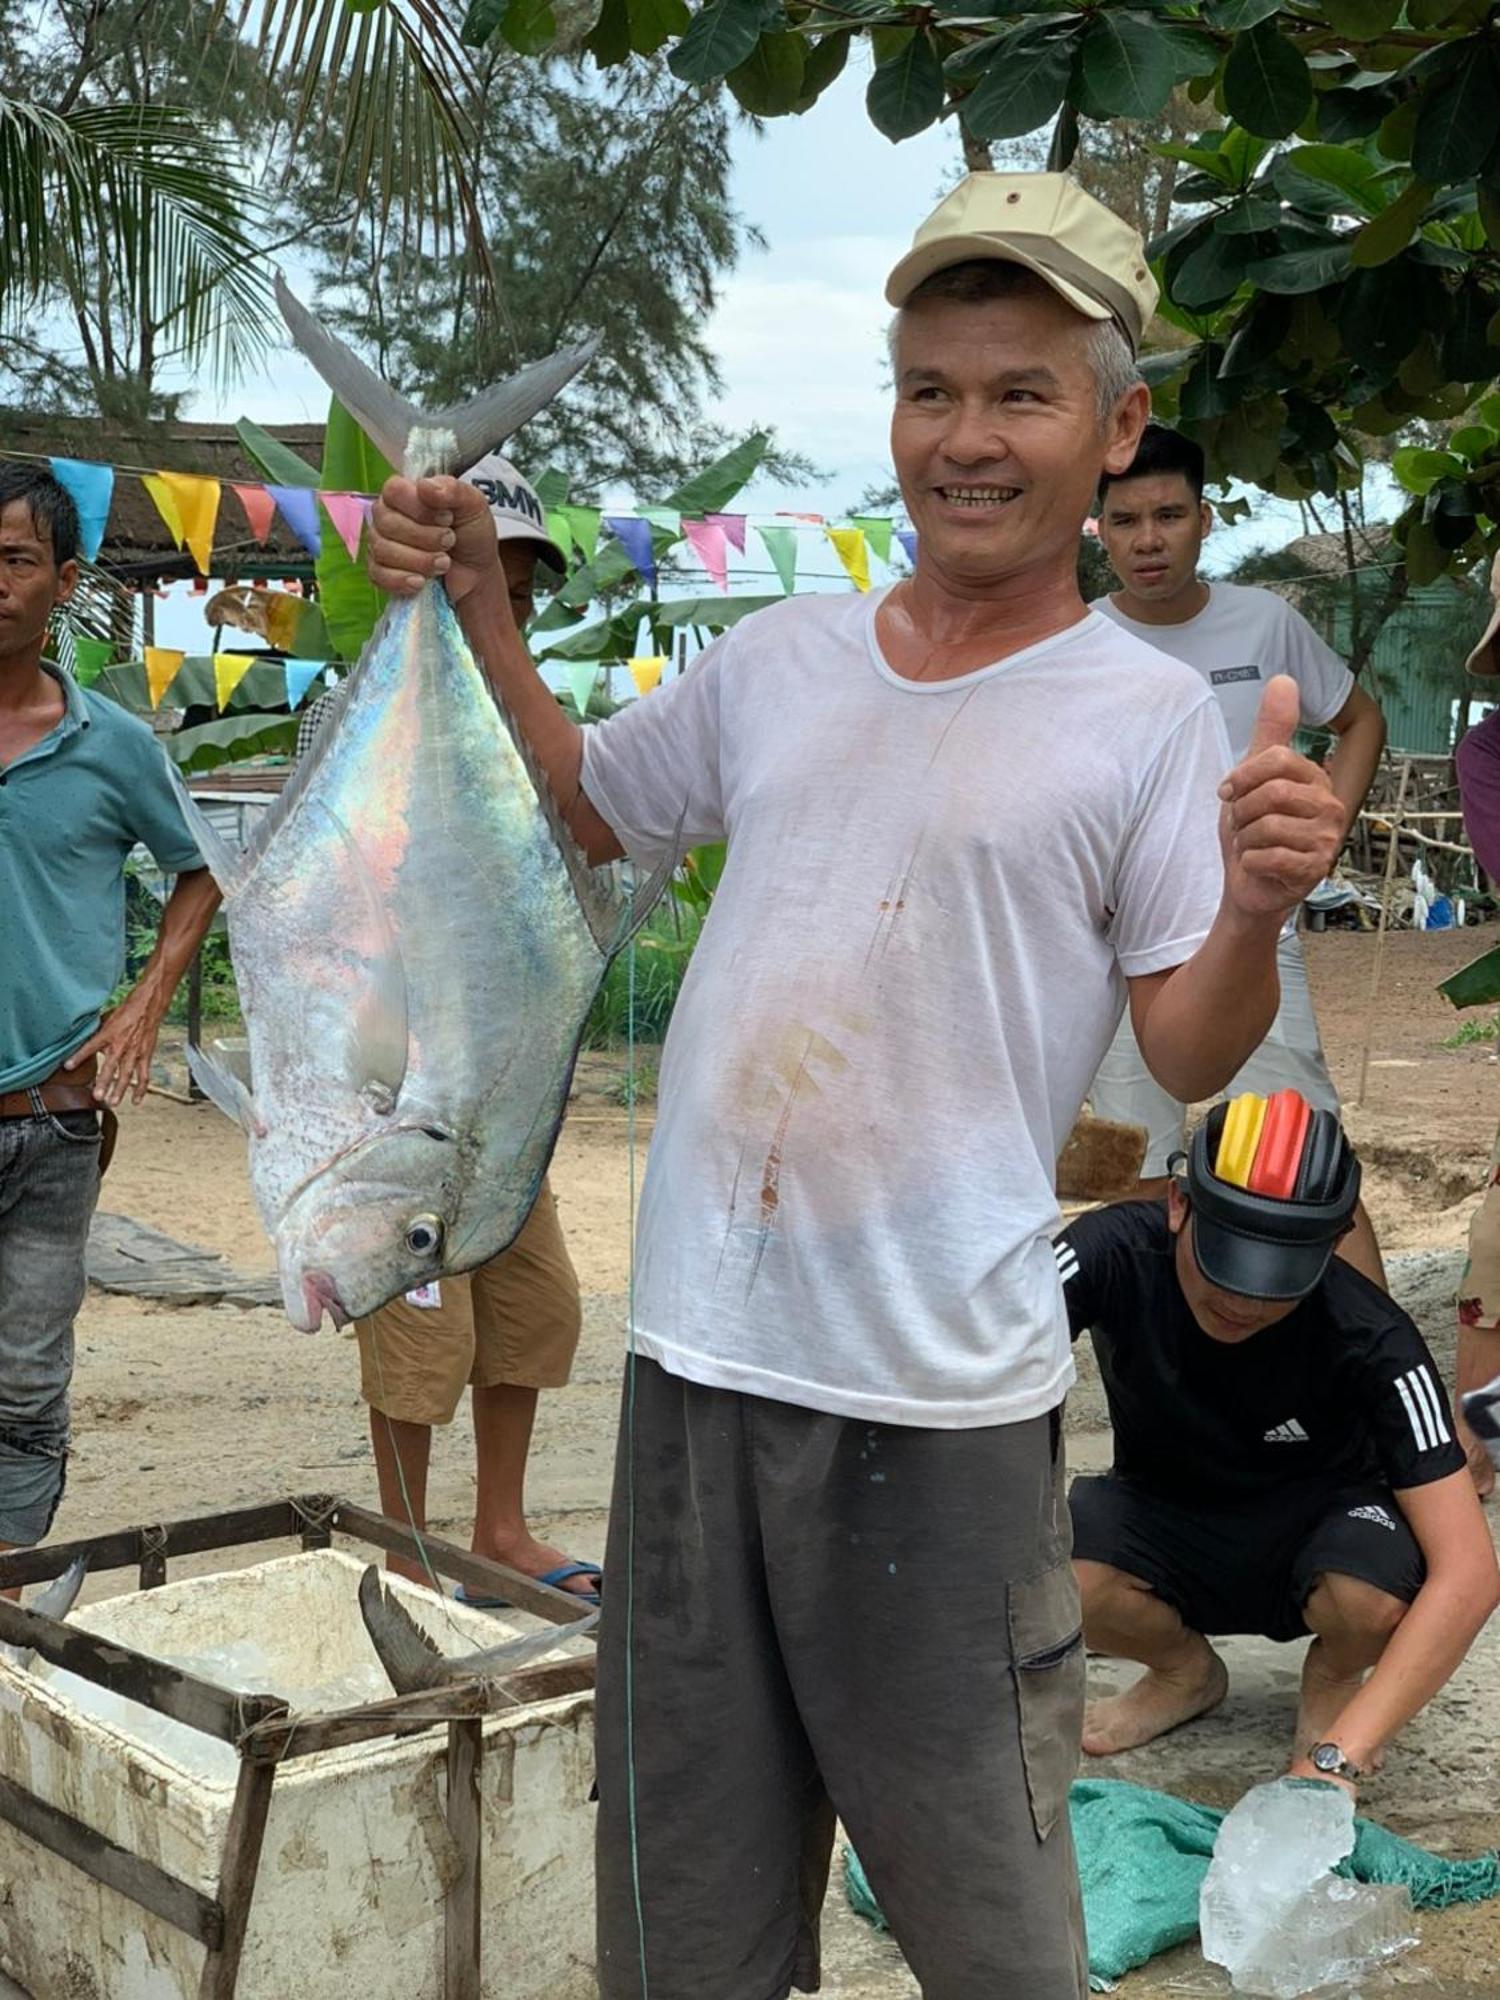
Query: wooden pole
[1392,844]
[461,1939]
[242,1845]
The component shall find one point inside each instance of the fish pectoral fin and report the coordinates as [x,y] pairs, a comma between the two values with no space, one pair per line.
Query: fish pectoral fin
[59,1597]
[377,1043]
[410,1659]
[495,1662]
[224,1090]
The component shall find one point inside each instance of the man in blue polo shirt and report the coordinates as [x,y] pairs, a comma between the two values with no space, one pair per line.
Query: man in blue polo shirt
[81,783]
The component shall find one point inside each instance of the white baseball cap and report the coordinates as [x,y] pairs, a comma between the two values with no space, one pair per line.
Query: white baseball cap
[517,512]
[1052,227]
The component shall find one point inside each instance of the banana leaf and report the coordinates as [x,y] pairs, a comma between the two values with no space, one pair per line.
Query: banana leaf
[230,740]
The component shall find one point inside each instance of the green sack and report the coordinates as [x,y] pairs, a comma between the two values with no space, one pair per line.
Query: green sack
[1142,1857]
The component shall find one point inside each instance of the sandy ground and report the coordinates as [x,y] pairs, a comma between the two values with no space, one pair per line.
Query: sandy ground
[184,1410]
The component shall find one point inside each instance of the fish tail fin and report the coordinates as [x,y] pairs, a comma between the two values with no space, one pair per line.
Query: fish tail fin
[410,1659]
[497,1661]
[646,895]
[389,420]
[59,1597]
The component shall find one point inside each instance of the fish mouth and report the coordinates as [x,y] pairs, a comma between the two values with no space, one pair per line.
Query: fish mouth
[320,1294]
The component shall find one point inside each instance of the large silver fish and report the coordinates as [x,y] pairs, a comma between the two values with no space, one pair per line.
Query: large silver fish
[416,937]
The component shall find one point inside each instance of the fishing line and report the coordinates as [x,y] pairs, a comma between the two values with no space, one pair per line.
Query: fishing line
[632,1809]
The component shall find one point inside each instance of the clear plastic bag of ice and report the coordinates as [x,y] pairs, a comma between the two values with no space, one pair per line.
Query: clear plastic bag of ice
[1274,1915]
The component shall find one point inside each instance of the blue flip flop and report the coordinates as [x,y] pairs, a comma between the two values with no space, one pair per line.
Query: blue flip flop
[563,1573]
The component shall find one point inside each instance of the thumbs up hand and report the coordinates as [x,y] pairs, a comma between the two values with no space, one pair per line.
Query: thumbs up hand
[1281,825]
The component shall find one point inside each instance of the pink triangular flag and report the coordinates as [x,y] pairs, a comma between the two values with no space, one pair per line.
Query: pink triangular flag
[260,509]
[710,545]
[348,516]
[733,526]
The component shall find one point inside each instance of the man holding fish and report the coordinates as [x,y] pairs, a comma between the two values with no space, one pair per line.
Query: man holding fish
[839,1576]
[81,782]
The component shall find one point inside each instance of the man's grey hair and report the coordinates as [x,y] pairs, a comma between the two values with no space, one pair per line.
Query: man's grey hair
[981,279]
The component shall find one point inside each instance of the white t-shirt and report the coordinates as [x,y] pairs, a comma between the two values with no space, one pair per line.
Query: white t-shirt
[911,969]
[1240,638]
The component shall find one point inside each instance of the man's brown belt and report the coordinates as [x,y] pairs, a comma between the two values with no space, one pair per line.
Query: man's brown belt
[64,1090]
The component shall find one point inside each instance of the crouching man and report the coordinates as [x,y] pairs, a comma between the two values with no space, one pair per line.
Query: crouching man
[1285,1462]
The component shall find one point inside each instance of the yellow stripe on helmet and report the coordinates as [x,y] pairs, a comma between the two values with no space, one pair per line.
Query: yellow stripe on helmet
[1241,1135]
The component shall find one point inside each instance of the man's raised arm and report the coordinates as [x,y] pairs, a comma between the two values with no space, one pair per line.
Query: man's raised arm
[442,528]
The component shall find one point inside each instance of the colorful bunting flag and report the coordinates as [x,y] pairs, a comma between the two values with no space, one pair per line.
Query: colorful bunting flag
[347,515]
[582,677]
[560,530]
[229,670]
[710,545]
[162,662]
[907,537]
[583,526]
[667,518]
[166,504]
[197,505]
[634,537]
[92,487]
[781,547]
[877,529]
[300,675]
[853,554]
[90,658]
[646,672]
[260,509]
[733,526]
[299,509]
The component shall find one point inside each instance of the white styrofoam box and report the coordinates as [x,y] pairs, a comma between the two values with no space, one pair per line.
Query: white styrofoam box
[349,1901]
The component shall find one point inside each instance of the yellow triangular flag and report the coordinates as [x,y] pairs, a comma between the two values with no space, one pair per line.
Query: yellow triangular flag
[647,671]
[229,670]
[853,554]
[197,511]
[166,503]
[162,665]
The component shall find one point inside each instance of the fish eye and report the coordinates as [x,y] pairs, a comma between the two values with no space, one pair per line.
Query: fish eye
[424,1236]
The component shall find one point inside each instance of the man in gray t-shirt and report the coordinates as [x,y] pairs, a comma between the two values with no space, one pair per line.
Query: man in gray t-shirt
[1152,522]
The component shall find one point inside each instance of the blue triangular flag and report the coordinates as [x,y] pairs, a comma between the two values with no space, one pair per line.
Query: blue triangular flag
[300,675]
[635,538]
[299,509]
[91,487]
[907,537]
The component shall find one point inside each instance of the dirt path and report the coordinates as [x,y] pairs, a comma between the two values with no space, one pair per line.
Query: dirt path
[181,1410]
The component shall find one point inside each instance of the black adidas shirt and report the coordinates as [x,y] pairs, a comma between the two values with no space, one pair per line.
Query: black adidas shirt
[1340,1392]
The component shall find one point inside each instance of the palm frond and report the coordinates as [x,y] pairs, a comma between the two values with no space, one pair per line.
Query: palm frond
[406,141]
[165,205]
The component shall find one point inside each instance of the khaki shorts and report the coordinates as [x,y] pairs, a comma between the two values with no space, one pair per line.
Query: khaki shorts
[1479,1291]
[512,1322]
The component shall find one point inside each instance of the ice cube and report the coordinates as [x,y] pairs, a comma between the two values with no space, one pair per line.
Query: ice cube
[1271,1912]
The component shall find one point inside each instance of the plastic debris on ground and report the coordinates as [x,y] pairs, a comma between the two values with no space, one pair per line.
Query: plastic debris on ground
[1273,1913]
[1143,1855]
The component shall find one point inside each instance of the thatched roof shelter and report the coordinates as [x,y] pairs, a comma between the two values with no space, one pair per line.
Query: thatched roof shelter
[137,547]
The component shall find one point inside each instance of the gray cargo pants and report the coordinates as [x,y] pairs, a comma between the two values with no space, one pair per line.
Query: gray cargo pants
[834,1617]
[49,1183]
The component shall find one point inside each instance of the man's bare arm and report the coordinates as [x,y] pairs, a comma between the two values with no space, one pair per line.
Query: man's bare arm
[1359,728]
[442,527]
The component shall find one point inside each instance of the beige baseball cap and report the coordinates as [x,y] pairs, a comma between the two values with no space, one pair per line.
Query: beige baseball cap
[1485,658]
[1048,224]
[518,513]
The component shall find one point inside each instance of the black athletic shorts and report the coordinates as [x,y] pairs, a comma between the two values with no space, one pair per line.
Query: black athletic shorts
[1253,1568]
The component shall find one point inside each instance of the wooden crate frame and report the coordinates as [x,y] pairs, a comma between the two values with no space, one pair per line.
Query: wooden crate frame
[262,1728]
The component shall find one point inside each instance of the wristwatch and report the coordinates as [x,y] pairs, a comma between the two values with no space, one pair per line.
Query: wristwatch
[1331,1761]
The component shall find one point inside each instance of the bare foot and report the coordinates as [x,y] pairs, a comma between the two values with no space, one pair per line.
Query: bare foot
[1324,1700]
[1156,1703]
[534,1558]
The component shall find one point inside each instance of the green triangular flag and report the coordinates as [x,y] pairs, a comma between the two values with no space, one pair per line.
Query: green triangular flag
[560,529]
[781,547]
[582,680]
[878,530]
[667,518]
[583,525]
[91,657]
